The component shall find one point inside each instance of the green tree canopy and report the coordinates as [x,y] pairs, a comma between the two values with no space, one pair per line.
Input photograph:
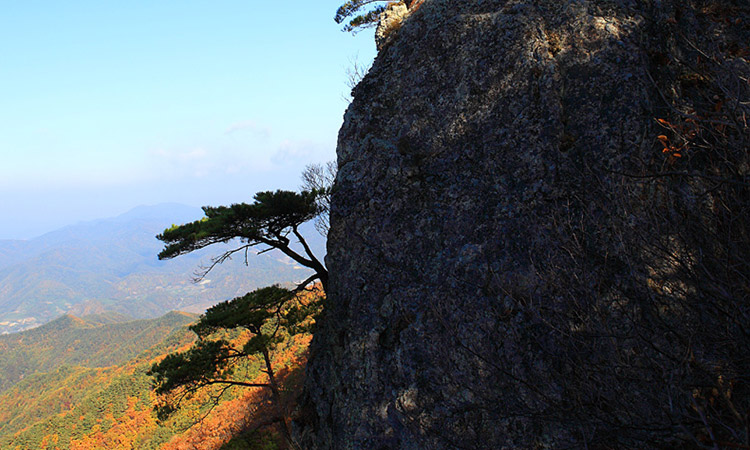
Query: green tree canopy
[271,315]
[270,221]
[360,14]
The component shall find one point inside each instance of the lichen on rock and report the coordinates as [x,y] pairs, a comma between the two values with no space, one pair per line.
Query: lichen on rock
[390,22]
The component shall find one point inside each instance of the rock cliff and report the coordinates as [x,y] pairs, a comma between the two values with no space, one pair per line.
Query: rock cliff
[539,232]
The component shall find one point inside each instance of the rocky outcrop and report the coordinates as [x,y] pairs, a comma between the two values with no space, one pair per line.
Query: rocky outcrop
[538,232]
[389,23]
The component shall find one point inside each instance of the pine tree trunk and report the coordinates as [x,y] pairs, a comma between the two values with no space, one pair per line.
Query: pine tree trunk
[276,397]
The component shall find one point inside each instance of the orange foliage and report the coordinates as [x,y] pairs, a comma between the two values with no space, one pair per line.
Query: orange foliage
[49,441]
[123,433]
[685,132]
[250,411]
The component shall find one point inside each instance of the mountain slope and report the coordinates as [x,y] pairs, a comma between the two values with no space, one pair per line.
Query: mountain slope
[71,341]
[111,265]
[76,407]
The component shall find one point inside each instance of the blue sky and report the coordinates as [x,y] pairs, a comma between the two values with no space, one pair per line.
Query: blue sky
[108,105]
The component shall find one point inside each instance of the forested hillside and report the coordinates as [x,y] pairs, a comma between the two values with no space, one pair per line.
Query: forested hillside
[96,393]
[71,341]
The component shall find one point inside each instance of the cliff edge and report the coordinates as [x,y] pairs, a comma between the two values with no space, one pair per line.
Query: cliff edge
[539,232]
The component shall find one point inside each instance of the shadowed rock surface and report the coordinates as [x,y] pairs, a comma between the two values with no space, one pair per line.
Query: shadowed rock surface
[521,254]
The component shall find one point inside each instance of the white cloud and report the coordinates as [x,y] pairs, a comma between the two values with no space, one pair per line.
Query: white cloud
[194,162]
[207,161]
[249,126]
[295,152]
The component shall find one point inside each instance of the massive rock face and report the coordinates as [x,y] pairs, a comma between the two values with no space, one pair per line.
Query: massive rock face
[521,254]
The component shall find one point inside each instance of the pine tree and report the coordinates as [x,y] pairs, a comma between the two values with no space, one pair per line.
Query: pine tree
[272,221]
[360,14]
[271,315]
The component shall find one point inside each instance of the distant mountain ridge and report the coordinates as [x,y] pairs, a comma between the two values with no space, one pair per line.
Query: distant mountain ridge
[110,265]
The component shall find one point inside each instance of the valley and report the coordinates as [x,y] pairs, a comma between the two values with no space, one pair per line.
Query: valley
[79,384]
[110,266]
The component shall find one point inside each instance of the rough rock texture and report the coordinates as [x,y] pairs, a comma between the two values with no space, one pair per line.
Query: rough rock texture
[521,255]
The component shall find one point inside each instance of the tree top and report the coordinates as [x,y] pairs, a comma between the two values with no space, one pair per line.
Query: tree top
[360,13]
[267,221]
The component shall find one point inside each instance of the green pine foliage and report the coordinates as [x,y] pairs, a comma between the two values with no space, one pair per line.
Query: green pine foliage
[359,14]
[266,221]
[272,221]
[264,319]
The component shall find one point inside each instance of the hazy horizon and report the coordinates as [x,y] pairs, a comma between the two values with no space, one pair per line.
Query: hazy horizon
[110,106]
[117,215]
